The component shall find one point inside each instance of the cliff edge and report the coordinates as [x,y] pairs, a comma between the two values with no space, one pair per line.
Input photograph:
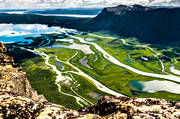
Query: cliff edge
[18,100]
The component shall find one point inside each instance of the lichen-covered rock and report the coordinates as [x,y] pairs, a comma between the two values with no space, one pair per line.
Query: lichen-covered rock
[12,106]
[19,107]
[12,79]
[89,116]
[2,47]
[112,107]
[116,115]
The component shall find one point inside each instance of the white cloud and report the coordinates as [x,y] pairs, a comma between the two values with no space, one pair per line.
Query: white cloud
[9,4]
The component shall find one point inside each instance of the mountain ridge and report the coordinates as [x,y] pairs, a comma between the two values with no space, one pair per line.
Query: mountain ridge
[151,25]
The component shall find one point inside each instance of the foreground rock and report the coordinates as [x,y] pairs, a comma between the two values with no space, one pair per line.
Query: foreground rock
[18,100]
[12,79]
[134,108]
[13,106]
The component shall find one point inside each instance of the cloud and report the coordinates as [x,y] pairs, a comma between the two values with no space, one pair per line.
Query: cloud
[36,4]
[9,4]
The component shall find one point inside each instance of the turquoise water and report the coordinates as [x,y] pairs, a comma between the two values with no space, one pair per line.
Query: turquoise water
[18,32]
[15,39]
[155,86]
[129,61]
[57,46]
[137,85]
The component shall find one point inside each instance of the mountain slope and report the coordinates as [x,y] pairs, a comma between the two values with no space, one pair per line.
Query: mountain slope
[67,22]
[152,25]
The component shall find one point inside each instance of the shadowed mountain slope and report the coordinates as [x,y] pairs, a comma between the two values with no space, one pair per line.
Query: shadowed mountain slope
[152,25]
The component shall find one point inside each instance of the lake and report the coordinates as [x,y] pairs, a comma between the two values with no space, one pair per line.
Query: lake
[11,33]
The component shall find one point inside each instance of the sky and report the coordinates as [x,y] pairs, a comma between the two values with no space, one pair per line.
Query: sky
[41,4]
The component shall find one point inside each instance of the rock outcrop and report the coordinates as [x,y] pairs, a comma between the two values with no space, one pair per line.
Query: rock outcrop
[12,79]
[19,101]
[19,107]
[111,107]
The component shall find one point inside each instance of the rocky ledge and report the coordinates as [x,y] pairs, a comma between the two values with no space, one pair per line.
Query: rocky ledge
[111,107]
[18,100]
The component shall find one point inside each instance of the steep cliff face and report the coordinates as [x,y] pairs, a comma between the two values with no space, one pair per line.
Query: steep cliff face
[152,25]
[18,100]
[12,79]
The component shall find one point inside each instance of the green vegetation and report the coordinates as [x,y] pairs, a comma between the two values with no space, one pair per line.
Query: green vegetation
[42,79]
[117,78]
[162,95]
[86,87]
[125,53]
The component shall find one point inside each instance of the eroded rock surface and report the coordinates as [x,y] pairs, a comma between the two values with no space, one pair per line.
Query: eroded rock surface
[111,107]
[19,101]
[13,106]
[12,79]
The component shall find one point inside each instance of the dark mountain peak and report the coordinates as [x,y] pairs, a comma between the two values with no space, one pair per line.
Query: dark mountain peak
[139,8]
[118,10]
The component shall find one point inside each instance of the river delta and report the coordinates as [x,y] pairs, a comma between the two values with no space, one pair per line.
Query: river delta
[75,65]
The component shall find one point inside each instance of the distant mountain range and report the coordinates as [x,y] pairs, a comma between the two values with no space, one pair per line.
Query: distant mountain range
[78,11]
[148,24]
